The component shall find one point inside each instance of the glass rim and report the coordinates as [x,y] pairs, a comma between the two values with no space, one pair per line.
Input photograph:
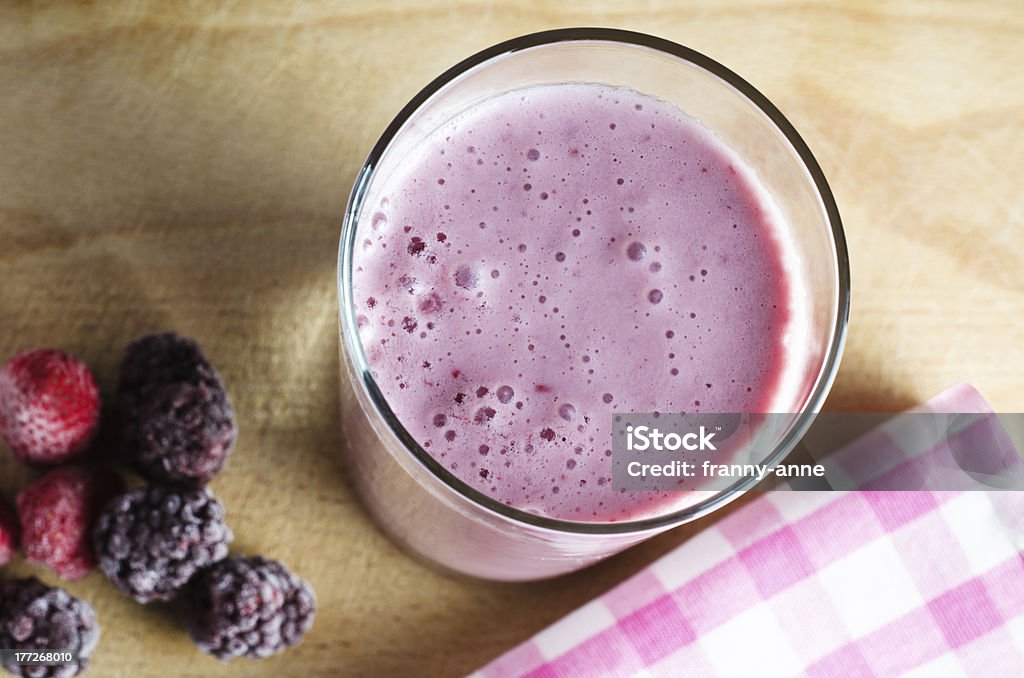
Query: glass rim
[349,327]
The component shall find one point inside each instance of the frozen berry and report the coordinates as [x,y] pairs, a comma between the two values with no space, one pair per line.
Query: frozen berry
[34,616]
[183,434]
[10,533]
[159,359]
[151,541]
[49,406]
[178,425]
[57,515]
[250,607]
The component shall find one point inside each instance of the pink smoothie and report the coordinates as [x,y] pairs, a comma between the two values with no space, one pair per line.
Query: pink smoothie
[552,256]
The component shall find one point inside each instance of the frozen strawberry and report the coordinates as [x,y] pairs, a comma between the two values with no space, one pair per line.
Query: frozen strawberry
[49,406]
[10,531]
[57,516]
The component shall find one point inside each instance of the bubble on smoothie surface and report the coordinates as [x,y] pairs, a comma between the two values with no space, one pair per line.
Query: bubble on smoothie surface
[466,277]
[636,251]
[552,256]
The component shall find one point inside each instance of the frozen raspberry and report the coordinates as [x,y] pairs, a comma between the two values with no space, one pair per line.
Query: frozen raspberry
[250,607]
[49,406]
[10,532]
[178,425]
[57,516]
[151,541]
[34,616]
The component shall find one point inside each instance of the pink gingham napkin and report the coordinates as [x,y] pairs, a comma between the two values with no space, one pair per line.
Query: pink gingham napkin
[866,583]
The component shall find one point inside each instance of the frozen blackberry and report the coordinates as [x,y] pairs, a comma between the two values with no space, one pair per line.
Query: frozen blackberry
[250,607]
[178,425]
[34,616]
[158,359]
[151,541]
[183,434]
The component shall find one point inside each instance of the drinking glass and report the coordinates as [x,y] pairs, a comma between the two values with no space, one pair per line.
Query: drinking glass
[423,506]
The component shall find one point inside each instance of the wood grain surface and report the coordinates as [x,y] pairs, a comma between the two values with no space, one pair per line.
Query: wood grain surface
[185,165]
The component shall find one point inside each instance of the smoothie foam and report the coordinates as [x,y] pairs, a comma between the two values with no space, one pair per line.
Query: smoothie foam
[556,254]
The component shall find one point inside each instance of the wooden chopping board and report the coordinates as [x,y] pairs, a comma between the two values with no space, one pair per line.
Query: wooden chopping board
[185,166]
